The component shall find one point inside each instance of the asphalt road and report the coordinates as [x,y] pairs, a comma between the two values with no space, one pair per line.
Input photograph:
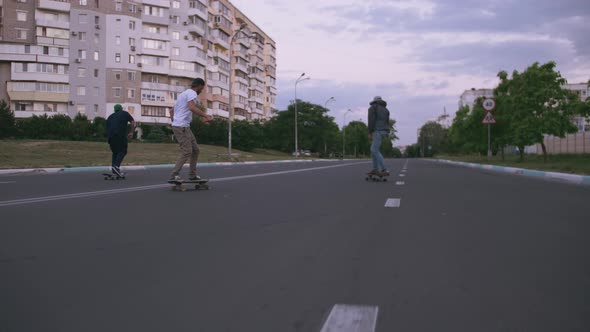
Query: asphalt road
[275,247]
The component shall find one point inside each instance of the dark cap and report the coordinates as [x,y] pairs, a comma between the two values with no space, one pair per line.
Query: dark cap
[198,82]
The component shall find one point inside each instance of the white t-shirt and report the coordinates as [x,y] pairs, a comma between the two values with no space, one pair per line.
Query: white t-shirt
[182,114]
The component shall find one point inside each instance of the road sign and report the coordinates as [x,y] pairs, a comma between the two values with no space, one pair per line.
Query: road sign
[489,118]
[489,104]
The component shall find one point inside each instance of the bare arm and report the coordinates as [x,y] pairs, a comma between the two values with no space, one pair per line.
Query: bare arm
[130,135]
[197,110]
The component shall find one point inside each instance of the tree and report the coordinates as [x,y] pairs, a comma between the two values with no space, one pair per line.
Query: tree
[7,121]
[357,138]
[432,138]
[99,129]
[81,128]
[538,105]
[317,131]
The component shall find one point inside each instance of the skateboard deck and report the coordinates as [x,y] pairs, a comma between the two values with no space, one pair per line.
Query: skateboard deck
[179,185]
[377,177]
[110,176]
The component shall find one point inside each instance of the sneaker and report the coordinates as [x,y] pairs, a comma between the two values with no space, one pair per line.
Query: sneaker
[117,172]
[194,178]
[175,178]
[384,172]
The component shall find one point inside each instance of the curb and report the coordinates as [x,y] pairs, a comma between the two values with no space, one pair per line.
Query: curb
[547,176]
[146,167]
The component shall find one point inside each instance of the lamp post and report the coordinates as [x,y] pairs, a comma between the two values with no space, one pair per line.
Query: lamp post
[343,132]
[231,83]
[300,79]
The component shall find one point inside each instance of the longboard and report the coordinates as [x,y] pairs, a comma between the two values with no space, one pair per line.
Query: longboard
[199,184]
[377,177]
[110,176]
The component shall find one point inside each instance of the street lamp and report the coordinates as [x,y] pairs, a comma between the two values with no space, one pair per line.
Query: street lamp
[326,107]
[300,79]
[327,101]
[343,135]
[231,83]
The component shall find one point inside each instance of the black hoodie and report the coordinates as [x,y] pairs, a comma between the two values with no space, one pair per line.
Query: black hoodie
[378,116]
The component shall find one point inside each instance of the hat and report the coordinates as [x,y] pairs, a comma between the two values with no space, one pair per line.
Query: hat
[118,107]
[377,98]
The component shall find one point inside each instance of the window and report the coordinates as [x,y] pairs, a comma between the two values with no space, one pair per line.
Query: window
[131,93]
[153,111]
[132,8]
[21,34]
[81,91]
[153,11]
[131,75]
[154,95]
[83,2]
[96,38]
[96,73]
[118,40]
[131,58]
[176,19]
[175,4]
[50,107]
[82,18]
[117,92]
[154,79]
[176,51]
[117,57]
[131,109]
[96,91]
[81,72]
[21,1]
[82,36]
[154,44]
[46,50]
[131,25]
[82,54]
[81,109]
[95,55]
[131,41]
[20,107]
[21,16]
[118,76]
[118,6]
[96,18]
[175,35]
[60,51]
[95,106]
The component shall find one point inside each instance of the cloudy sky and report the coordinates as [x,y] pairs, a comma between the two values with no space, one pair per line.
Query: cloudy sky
[419,55]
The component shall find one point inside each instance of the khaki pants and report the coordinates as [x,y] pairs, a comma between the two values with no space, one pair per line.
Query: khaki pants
[189,150]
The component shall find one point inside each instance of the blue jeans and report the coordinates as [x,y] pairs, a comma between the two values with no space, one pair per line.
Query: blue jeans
[378,162]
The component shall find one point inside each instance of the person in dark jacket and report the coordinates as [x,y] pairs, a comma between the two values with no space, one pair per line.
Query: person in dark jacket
[378,130]
[117,136]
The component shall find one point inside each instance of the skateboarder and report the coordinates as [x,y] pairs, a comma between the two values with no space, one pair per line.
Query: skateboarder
[186,105]
[117,137]
[378,129]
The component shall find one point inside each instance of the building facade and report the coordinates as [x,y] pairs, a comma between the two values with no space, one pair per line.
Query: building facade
[85,56]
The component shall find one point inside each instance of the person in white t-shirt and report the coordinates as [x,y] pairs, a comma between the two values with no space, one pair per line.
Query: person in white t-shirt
[186,105]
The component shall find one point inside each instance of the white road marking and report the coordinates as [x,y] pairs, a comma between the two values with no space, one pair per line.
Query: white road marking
[402,175]
[393,203]
[351,318]
[400,183]
[7,182]
[150,187]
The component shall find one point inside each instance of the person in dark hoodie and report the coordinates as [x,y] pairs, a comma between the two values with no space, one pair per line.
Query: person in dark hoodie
[378,130]
[117,137]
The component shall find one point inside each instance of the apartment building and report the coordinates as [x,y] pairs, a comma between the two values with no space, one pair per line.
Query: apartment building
[85,56]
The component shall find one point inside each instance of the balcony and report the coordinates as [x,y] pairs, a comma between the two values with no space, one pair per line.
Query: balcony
[147,68]
[154,86]
[157,3]
[184,73]
[202,14]
[60,6]
[219,42]
[53,24]
[196,29]
[45,96]
[161,20]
